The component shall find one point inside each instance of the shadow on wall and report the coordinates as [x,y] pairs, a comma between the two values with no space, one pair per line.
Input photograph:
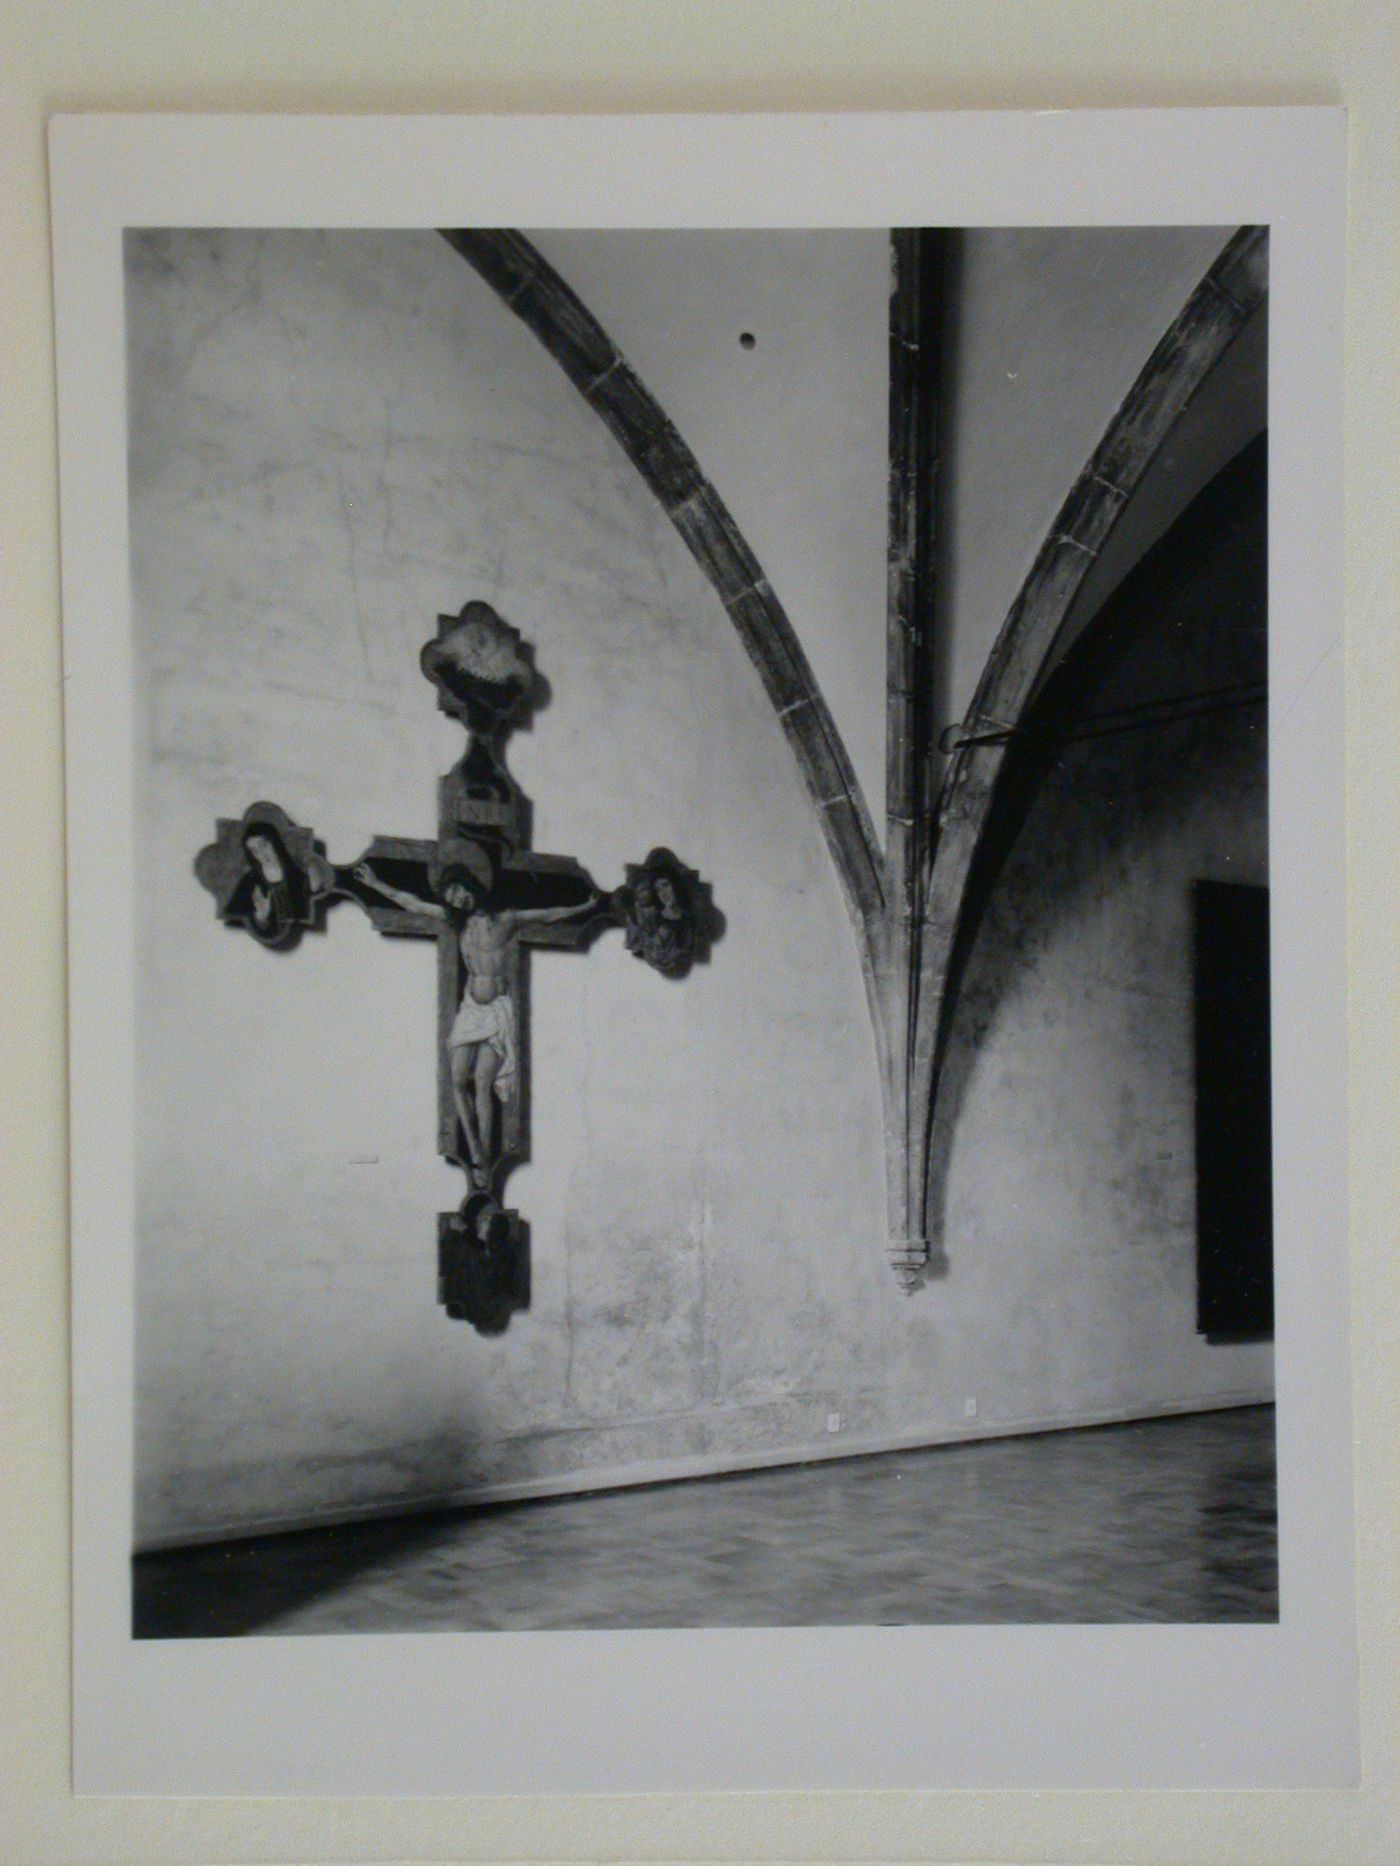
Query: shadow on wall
[1116,797]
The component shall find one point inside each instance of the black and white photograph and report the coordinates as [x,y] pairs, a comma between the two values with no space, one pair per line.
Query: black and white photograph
[865,631]
[699,1062]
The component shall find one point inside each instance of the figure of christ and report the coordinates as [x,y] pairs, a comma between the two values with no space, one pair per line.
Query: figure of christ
[481,1045]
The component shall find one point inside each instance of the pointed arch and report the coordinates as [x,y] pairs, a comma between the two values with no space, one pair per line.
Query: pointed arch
[1192,348]
[525,281]
[912,907]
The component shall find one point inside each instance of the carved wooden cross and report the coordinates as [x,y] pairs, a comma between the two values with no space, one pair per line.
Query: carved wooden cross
[480,892]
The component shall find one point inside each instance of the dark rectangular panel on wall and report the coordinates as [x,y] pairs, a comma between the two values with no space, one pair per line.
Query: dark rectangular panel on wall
[1234,1157]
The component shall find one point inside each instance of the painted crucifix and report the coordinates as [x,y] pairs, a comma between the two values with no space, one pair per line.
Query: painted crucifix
[485,897]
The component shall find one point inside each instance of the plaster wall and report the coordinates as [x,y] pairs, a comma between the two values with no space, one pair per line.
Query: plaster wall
[792,431]
[333,439]
[1064,1145]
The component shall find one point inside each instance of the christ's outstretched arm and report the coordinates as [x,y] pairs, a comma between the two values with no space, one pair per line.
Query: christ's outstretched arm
[413,903]
[518,916]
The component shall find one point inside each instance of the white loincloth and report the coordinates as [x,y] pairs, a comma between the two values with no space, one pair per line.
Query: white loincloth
[492,1023]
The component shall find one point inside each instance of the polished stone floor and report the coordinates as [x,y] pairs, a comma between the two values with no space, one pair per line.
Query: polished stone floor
[1166,1520]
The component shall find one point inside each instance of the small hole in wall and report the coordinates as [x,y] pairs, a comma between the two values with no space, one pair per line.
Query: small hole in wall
[747,340]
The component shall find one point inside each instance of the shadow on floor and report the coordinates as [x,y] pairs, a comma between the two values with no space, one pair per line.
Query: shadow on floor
[1168,1520]
[224,1588]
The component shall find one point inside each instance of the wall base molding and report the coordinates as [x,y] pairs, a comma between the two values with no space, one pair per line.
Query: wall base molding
[678,1470]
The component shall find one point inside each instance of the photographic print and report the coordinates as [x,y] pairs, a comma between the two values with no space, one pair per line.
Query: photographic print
[960,1131]
[703,951]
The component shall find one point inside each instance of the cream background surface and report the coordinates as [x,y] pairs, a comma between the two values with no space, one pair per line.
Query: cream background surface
[629,57]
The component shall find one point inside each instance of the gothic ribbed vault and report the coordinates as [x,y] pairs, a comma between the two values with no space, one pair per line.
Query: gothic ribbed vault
[914,903]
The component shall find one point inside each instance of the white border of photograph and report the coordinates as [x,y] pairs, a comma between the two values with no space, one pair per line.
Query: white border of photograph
[917,1707]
